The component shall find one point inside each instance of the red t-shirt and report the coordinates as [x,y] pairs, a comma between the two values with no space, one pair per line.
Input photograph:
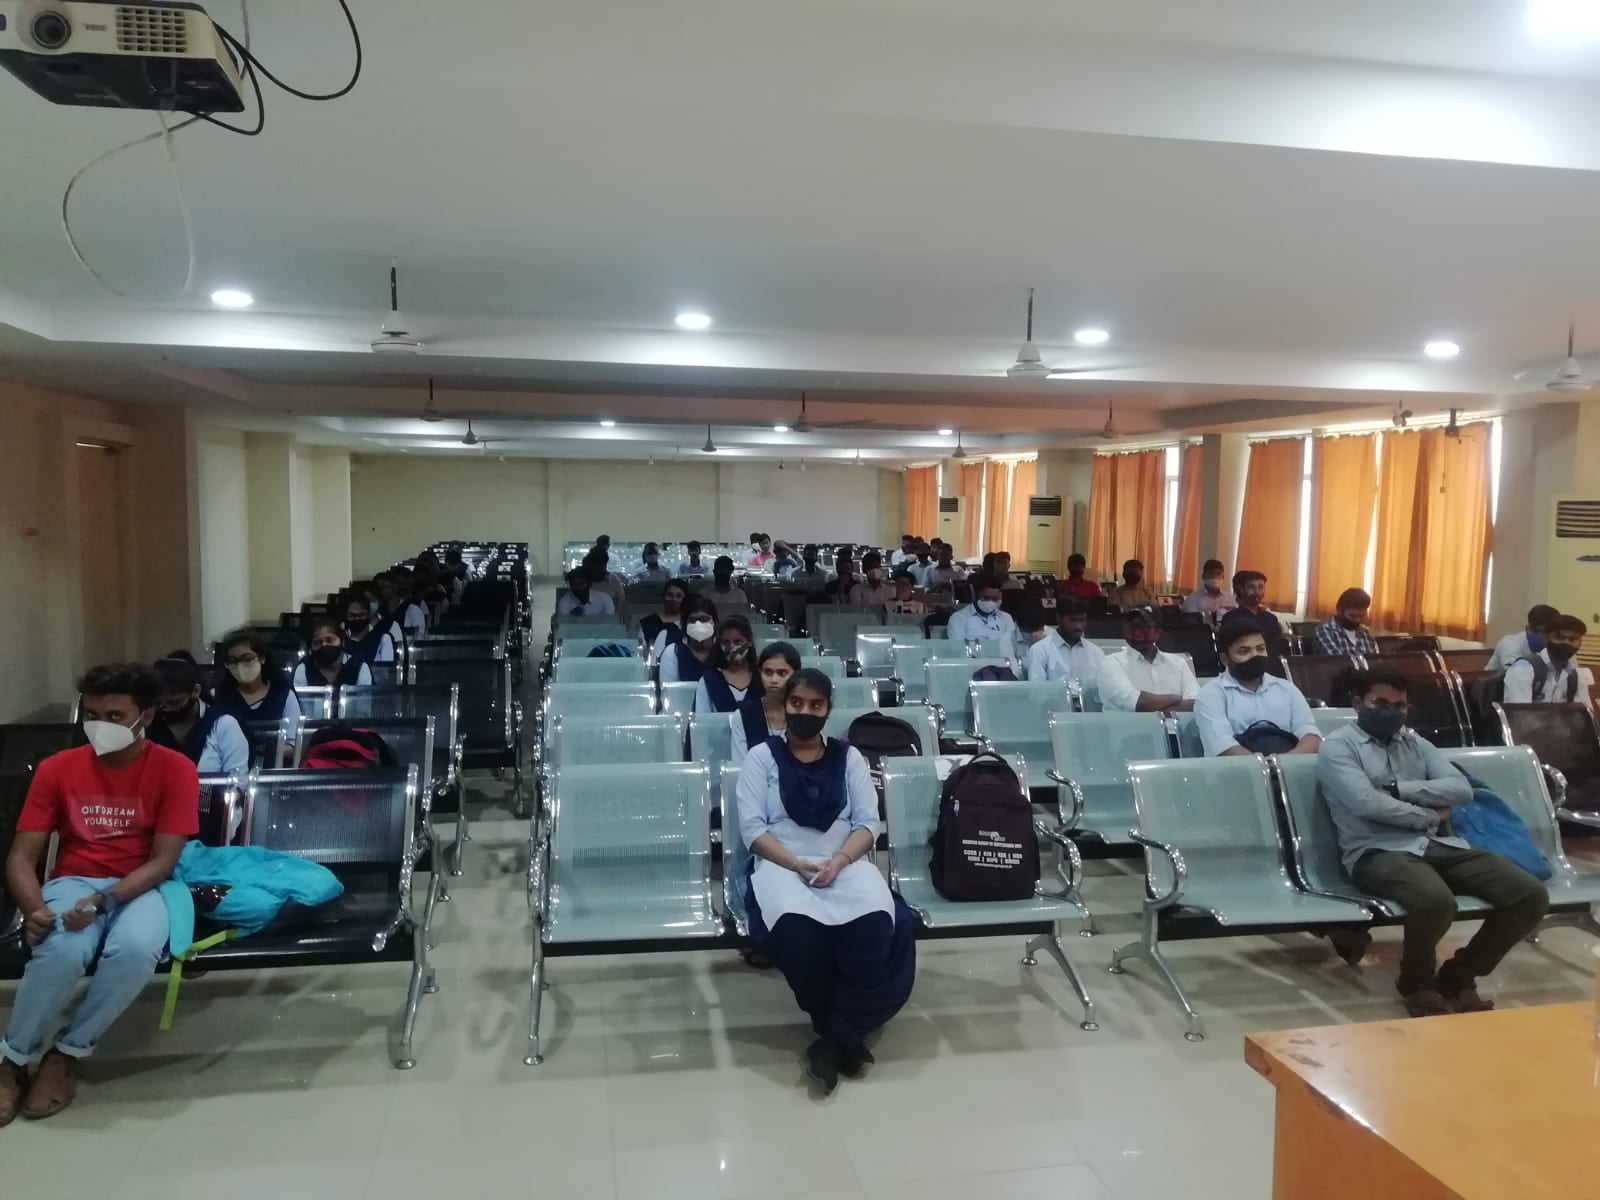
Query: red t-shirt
[108,817]
[1087,588]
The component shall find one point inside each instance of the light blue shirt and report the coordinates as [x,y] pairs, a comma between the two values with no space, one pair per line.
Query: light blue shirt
[414,619]
[1354,770]
[969,625]
[1225,708]
[363,675]
[1053,658]
[599,604]
[227,750]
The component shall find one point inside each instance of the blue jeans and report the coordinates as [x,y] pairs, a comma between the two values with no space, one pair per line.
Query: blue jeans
[124,949]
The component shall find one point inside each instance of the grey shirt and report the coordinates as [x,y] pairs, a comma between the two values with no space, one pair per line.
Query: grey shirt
[1354,770]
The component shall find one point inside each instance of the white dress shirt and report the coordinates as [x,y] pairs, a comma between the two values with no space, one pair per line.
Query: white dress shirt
[1507,650]
[598,605]
[1225,708]
[1519,682]
[969,625]
[1054,658]
[1126,673]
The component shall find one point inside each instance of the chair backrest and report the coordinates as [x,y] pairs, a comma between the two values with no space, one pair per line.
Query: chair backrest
[221,805]
[946,682]
[914,715]
[830,665]
[24,746]
[1564,736]
[1093,750]
[623,701]
[678,697]
[316,701]
[911,788]
[412,741]
[1331,720]
[441,702]
[910,656]
[385,674]
[358,824]
[735,854]
[1015,717]
[837,631]
[573,626]
[267,742]
[854,693]
[576,741]
[875,651]
[599,670]
[578,648]
[631,829]
[1198,642]
[446,649]
[1513,774]
[485,718]
[1465,660]
[1217,811]
[711,740]
[1314,854]
[768,631]
[1320,676]
[1435,711]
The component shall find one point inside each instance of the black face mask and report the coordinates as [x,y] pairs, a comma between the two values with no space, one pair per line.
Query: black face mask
[327,656]
[356,624]
[1347,623]
[723,578]
[811,565]
[1250,670]
[180,716]
[804,725]
[1560,653]
[1071,637]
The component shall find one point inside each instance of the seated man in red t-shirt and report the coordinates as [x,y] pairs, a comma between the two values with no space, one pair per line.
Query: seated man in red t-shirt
[1075,584]
[123,809]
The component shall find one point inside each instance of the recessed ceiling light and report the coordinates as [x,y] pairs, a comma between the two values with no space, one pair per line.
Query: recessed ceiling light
[232,298]
[607,423]
[1571,22]
[946,432]
[1091,337]
[780,429]
[693,320]
[1441,349]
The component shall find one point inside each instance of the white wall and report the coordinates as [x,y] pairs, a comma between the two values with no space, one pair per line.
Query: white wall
[400,502]
[224,521]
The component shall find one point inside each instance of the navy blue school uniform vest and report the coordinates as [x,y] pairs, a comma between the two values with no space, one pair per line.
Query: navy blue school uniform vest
[690,668]
[273,707]
[722,697]
[366,647]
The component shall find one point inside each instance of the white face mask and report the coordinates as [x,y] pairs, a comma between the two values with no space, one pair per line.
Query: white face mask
[987,607]
[107,737]
[246,672]
[700,631]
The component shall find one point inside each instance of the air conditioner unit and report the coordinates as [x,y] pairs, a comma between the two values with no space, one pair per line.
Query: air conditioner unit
[1574,576]
[163,54]
[1046,533]
[950,523]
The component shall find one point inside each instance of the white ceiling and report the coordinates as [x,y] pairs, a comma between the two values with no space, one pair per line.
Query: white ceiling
[1270,204]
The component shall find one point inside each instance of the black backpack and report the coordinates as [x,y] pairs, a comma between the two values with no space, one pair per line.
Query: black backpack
[879,736]
[994,674]
[984,847]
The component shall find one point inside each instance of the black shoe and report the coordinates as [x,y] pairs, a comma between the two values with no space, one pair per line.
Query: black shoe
[1350,944]
[822,1064]
[854,1061]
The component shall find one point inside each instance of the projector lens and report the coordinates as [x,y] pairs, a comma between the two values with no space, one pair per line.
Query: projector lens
[51,30]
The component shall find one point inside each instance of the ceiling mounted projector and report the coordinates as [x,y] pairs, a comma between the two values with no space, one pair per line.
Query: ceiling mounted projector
[107,55]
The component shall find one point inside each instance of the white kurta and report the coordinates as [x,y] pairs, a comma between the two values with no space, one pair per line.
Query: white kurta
[859,889]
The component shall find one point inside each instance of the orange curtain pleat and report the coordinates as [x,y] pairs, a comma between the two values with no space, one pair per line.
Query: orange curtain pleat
[1269,530]
[1102,527]
[994,517]
[1454,547]
[1344,497]
[922,501]
[1024,482]
[1127,511]
[971,493]
[1396,581]
[1186,542]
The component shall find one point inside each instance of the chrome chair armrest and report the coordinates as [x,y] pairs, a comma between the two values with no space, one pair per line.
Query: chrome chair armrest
[1589,819]
[1070,866]
[985,746]
[1069,820]
[1180,872]
[1558,784]
[538,870]
[937,711]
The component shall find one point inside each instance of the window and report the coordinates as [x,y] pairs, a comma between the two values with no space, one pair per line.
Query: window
[1169,511]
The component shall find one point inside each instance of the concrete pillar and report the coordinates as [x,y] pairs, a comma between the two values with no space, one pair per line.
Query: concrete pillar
[1224,462]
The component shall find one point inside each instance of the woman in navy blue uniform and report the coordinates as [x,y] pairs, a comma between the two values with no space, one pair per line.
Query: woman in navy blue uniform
[330,664]
[365,635]
[723,687]
[665,628]
[687,660]
[254,689]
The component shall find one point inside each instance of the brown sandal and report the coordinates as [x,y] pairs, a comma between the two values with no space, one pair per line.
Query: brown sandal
[54,1087]
[13,1087]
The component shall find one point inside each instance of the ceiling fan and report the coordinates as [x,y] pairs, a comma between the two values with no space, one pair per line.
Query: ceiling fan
[960,451]
[1452,428]
[395,336]
[429,412]
[471,438]
[710,447]
[804,424]
[1401,416]
[1031,365]
[1110,430]
[1570,378]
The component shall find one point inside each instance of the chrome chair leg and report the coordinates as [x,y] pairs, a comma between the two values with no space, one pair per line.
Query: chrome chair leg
[420,971]
[536,999]
[1052,943]
[1149,949]
[461,836]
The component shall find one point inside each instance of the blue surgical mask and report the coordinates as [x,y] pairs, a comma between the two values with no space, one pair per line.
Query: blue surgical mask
[987,607]
[1536,642]
[1381,723]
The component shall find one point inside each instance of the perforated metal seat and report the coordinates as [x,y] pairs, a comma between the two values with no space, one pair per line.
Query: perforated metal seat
[911,800]
[580,741]
[828,664]
[677,699]
[854,693]
[1331,720]
[910,656]
[1210,834]
[1015,719]
[622,700]
[836,633]
[1091,753]
[599,670]
[947,686]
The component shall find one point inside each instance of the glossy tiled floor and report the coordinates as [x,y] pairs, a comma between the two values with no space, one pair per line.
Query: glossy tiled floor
[672,1076]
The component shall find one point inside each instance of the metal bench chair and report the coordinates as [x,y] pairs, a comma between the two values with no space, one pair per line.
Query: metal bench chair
[1331,720]
[1091,752]
[1212,850]
[836,633]
[1566,738]
[911,799]
[910,656]
[711,745]
[596,741]
[947,690]
[678,698]
[854,693]
[489,718]
[269,742]
[915,715]
[1014,718]
[829,664]
[623,862]
[622,700]
[599,670]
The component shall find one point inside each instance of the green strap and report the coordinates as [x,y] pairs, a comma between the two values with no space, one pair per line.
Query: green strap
[175,978]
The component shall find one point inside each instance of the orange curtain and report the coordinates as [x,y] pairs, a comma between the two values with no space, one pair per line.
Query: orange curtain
[1453,551]
[1269,530]
[1396,590]
[922,501]
[1127,508]
[994,517]
[1344,496]
[1024,482]
[971,492]
[1186,542]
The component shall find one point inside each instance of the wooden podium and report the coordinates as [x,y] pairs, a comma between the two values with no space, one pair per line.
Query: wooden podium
[1484,1106]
